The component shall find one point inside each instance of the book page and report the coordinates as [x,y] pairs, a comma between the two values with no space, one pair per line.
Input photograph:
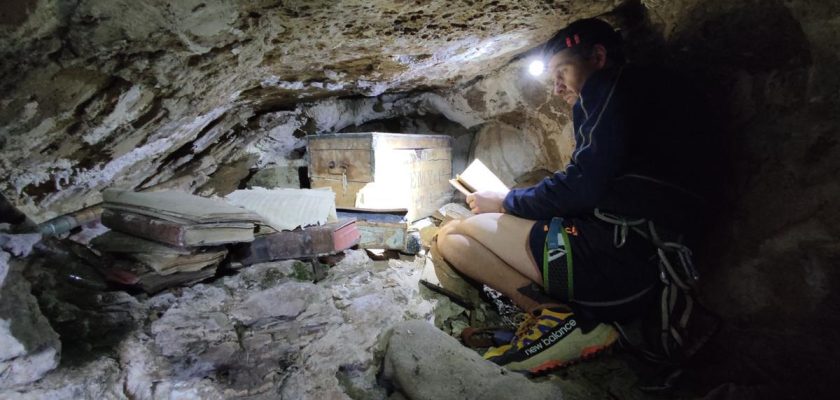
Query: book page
[287,209]
[460,186]
[177,206]
[478,177]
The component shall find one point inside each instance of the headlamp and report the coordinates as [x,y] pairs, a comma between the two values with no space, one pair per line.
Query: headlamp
[536,68]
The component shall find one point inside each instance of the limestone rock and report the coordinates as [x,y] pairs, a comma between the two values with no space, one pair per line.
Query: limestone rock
[197,332]
[425,364]
[29,348]
[286,302]
[438,272]
[276,177]
[70,295]
[19,245]
[97,379]
[369,298]
[255,334]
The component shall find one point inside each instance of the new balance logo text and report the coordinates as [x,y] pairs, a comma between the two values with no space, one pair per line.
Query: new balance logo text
[546,341]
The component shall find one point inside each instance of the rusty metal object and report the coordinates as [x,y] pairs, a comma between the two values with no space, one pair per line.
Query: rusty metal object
[454,297]
[68,222]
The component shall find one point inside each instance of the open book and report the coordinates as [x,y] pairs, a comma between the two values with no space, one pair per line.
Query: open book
[476,178]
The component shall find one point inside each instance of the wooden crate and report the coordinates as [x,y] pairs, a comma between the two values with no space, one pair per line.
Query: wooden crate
[380,171]
[386,231]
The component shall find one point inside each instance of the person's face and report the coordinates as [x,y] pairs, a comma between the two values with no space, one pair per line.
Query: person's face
[570,72]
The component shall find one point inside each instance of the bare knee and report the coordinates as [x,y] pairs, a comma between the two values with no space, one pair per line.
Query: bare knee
[444,234]
[450,241]
[449,227]
[443,243]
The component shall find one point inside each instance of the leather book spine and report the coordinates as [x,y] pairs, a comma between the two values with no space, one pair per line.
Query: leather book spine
[145,227]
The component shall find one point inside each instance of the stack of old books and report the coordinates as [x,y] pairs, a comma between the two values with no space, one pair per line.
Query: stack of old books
[163,239]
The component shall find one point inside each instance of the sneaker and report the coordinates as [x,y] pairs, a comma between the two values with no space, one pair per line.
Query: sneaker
[550,340]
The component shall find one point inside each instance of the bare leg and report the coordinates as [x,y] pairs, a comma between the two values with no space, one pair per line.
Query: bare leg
[493,249]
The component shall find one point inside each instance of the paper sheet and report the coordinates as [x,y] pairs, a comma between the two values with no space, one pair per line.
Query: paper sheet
[480,178]
[287,209]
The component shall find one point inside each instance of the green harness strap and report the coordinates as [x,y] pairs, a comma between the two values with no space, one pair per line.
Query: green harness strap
[569,264]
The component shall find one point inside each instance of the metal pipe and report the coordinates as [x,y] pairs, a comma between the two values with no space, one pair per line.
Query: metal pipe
[68,222]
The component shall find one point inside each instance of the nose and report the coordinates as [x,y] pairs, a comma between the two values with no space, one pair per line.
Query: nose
[559,87]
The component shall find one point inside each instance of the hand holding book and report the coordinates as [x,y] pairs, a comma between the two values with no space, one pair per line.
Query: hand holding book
[486,202]
[484,190]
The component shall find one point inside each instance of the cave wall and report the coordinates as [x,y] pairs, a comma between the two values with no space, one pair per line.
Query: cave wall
[201,95]
[779,97]
[769,70]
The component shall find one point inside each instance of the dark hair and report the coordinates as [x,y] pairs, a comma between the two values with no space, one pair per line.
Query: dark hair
[581,36]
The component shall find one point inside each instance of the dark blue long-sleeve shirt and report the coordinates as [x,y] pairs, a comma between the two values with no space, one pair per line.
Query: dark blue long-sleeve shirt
[634,154]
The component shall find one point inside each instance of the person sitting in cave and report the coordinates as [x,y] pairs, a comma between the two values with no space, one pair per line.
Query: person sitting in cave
[561,250]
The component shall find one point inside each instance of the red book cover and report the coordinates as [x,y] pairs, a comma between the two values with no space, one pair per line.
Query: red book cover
[145,227]
[309,242]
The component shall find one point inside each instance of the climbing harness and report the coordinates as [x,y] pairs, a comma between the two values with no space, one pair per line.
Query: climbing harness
[678,277]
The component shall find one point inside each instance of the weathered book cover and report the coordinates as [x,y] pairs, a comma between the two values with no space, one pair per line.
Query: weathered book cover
[177,206]
[118,242]
[135,274]
[166,265]
[174,233]
[163,258]
[311,241]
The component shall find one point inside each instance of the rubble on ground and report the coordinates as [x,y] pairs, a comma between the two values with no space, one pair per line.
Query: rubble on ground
[29,348]
[264,331]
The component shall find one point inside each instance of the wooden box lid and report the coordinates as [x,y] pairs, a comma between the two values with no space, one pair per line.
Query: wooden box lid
[377,140]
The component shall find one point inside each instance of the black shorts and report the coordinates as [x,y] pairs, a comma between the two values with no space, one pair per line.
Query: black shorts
[582,267]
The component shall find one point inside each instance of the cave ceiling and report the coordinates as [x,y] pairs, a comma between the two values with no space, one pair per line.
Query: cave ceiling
[281,49]
[100,93]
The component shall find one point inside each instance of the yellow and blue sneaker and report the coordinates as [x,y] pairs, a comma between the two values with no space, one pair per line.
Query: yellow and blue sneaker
[552,339]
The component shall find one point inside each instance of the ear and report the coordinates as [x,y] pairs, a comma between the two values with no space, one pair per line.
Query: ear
[599,56]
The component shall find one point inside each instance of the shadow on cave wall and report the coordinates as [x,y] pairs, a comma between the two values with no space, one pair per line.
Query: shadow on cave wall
[768,257]
[90,318]
[429,124]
